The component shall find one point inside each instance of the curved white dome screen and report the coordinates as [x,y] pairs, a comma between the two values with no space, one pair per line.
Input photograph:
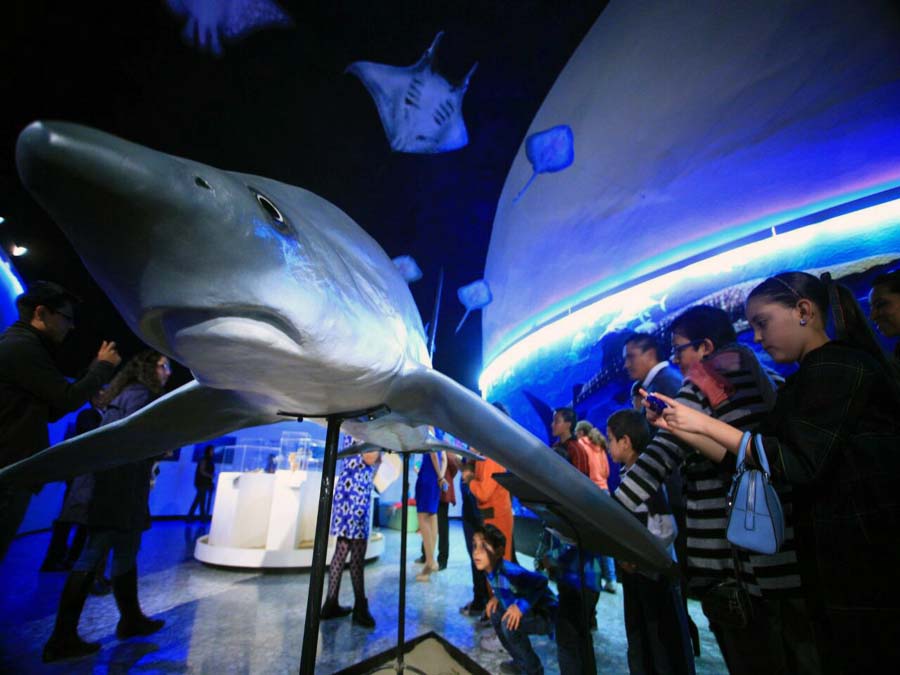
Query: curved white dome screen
[695,124]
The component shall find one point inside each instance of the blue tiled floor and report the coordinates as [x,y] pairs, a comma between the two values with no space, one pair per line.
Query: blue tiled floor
[225,621]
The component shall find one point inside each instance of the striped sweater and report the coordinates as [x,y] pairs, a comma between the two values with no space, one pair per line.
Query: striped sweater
[706,486]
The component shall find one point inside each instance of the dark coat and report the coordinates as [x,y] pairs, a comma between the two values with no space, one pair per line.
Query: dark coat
[121,494]
[667,382]
[79,489]
[33,392]
[834,435]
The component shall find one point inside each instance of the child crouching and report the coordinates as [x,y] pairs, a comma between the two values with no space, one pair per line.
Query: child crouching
[522,605]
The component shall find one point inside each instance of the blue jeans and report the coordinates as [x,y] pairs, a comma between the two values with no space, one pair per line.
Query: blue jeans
[124,545]
[517,642]
[608,565]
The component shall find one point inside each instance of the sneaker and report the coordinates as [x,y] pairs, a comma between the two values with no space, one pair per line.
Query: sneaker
[491,643]
[610,587]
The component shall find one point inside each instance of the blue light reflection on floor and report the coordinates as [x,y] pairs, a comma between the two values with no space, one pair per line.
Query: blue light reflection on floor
[229,621]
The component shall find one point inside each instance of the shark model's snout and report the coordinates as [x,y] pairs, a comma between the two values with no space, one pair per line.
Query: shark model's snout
[82,172]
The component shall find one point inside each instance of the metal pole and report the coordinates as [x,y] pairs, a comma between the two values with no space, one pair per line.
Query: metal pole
[320,549]
[404,516]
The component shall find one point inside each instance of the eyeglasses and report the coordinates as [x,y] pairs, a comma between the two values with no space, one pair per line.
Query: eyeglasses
[676,351]
[67,317]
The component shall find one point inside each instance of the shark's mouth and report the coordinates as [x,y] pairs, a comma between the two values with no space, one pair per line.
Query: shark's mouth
[166,325]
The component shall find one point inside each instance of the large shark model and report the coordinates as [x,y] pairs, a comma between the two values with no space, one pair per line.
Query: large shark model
[276,301]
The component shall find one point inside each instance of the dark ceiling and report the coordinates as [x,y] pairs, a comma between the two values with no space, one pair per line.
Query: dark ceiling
[278,104]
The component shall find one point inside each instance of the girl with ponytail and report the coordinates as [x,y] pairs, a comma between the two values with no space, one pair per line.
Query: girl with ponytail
[834,437]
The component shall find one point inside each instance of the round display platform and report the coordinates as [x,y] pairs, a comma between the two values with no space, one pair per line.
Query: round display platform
[260,558]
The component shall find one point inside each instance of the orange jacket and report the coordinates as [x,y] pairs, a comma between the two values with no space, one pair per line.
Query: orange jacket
[493,500]
[598,464]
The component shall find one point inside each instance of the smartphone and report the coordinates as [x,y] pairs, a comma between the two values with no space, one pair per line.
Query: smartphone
[655,404]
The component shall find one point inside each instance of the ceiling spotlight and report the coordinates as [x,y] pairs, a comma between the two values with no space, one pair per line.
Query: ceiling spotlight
[19,250]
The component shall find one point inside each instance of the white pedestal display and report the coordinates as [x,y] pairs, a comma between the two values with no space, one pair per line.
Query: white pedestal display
[264,520]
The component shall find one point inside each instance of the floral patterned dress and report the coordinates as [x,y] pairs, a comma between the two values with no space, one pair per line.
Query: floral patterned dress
[352,496]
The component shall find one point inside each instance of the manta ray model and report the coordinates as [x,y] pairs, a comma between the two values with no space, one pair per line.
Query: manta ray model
[277,301]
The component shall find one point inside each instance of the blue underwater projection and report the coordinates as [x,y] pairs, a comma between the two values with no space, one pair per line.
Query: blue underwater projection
[473,296]
[408,268]
[11,286]
[420,110]
[577,360]
[549,151]
[209,23]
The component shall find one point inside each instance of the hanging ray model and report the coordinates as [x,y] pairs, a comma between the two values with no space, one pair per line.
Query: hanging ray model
[421,111]
[548,151]
[277,301]
[476,295]
[209,23]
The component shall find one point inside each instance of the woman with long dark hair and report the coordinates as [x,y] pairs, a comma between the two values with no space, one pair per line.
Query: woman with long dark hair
[834,436]
[118,514]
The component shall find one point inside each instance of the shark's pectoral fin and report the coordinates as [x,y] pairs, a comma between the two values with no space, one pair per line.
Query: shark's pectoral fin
[425,396]
[190,414]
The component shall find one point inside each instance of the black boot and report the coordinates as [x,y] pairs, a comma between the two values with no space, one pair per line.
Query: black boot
[332,610]
[361,615]
[133,621]
[64,643]
[54,561]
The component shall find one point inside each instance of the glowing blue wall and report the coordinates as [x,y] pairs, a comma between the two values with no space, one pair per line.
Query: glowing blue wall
[699,130]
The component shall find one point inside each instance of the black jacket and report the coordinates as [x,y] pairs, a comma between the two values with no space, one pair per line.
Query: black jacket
[121,495]
[33,392]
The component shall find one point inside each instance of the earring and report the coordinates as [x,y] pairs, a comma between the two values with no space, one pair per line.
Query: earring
[802,322]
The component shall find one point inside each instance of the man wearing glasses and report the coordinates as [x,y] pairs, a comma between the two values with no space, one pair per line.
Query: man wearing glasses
[33,391]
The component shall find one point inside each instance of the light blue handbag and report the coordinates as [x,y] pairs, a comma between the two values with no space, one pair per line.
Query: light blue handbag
[755,517]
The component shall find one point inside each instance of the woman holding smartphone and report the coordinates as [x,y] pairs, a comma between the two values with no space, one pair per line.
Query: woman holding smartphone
[834,436]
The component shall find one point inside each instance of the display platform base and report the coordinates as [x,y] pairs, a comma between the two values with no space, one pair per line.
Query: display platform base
[428,653]
[260,558]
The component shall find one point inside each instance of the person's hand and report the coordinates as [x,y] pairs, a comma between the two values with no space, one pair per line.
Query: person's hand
[467,475]
[679,417]
[109,353]
[491,606]
[512,617]
[652,415]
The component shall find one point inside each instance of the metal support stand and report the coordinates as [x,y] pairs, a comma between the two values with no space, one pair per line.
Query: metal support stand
[399,665]
[323,523]
[587,642]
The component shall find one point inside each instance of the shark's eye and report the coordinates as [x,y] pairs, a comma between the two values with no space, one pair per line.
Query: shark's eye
[279,222]
[199,182]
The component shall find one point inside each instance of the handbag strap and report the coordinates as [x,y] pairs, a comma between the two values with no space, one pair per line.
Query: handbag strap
[742,450]
[761,458]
